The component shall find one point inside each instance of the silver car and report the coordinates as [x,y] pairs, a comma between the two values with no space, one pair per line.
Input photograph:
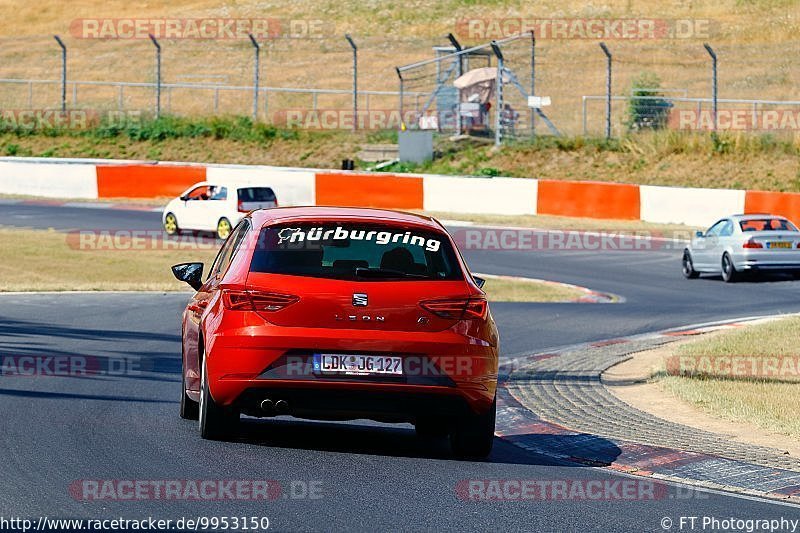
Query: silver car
[744,243]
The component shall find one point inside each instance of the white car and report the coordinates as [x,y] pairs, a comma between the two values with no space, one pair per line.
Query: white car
[216,207]
[744,243]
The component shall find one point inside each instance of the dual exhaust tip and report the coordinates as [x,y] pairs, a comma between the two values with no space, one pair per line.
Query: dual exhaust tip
[279,407]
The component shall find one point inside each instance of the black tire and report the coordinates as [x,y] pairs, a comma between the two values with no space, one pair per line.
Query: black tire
[190,409]
[431,428]
[224,228]
[171,226]
[215,421]
[729,273]
[688,266]
[472,437]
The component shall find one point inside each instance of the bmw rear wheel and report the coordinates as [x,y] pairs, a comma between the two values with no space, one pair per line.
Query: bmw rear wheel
[688,267]
[729,273]
[223,228]
[472,436]
[171,224]
[216,421]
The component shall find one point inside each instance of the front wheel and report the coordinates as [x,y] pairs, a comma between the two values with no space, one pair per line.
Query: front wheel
[171,224]
[472,436]
[216,421]
[688,266]
[223,228]
[729,273]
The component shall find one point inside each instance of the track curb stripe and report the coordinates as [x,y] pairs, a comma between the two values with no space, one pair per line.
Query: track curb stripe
[95,179]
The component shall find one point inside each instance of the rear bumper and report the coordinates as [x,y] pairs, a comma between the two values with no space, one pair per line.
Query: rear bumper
[385,404]
[779,260]
[445,373]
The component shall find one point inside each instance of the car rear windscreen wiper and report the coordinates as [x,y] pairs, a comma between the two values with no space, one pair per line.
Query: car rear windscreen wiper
[362,272]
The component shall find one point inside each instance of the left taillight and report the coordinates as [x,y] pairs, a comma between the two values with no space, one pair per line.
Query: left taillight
[256,300]
[240,207]
[457,308]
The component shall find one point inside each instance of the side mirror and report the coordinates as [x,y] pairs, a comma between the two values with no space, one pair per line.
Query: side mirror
[480,282]
[184,197]
[698,234]
[191,273]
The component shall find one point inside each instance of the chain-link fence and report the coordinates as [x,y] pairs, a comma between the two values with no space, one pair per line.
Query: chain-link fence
[308,82]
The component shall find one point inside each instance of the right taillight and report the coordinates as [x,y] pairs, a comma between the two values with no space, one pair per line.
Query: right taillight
[752,244]
[256,300]
[457,308]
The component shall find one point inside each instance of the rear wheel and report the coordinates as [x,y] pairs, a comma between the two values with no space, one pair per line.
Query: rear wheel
[729,273]
[472,436]
[216,421]
[688,266]
[223,228]
[171,224]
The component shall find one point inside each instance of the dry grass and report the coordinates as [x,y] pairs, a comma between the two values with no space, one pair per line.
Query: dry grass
[47,260]
[41,260]
[766,402]
[509,290]
[752,39]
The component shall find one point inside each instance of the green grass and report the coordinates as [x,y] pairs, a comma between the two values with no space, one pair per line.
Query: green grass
[655,158]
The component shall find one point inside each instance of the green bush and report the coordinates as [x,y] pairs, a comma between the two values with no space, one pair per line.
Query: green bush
[645,110]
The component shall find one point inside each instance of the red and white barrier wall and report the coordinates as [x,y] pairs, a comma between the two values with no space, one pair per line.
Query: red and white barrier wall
[100,178]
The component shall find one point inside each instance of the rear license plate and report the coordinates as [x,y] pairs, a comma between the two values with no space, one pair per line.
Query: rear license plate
[358,365]
[779,244]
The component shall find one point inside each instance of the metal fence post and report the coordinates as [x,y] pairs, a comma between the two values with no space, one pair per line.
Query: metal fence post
[256,69]
[533,82]
[457,46]
[402,118]
[498,113]
[607,52]
[63,73]
[158,75]
[713,82]
[355,80]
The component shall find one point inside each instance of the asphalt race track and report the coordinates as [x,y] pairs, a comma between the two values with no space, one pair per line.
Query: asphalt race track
[125,425]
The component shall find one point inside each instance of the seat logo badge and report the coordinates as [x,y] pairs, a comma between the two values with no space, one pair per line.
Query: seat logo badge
[359,299]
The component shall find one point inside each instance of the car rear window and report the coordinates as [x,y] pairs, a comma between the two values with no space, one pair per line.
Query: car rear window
[351,251]
[256,194]
[767,224]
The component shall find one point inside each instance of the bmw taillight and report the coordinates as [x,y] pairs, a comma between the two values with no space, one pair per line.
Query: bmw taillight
[752,244]
[256,300]
[240,207]
[457,308]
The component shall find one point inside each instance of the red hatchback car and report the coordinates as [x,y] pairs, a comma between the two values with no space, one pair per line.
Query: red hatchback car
[338,314]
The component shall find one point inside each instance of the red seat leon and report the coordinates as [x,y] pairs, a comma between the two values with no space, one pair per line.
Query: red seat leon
[339,314]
